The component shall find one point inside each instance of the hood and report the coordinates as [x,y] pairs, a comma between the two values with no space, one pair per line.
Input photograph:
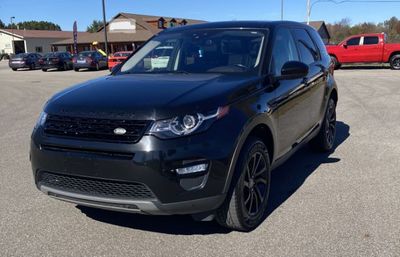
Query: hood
[150,96]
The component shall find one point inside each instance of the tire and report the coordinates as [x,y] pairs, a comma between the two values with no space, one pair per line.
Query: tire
[97,67]
[65,67]
[395,62]
[14,69]
[336,63]
[250,189]
[32,66]
[325,140]
[76,69]
[44,70]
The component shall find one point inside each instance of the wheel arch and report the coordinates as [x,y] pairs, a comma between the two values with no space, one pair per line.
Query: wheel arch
[257,128]
[393,54]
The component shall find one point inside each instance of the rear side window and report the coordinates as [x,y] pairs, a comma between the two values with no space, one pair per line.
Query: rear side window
[308,51]
[318,41]
[284,51]
[371,40]
[353,41]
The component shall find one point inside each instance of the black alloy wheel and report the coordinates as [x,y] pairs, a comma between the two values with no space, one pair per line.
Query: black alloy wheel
[395,62]
[245,207]
[325,140]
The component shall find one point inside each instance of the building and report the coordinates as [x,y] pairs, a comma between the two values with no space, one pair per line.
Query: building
[125,31]
[40,41]
[320,26]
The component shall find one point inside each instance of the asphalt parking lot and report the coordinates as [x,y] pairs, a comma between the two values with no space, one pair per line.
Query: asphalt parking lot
[343,204]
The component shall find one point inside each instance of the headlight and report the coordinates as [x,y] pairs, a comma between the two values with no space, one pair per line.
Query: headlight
[41,120]
[187,124]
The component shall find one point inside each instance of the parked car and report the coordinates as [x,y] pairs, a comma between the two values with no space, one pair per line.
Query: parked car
[24,60]
[365,48]
[117,58]
[92,60]
[198,134]
[56,60]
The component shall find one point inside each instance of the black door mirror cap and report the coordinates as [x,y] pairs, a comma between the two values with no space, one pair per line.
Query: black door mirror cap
[294,70]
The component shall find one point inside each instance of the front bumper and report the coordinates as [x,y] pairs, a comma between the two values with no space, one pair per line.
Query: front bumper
[151,162]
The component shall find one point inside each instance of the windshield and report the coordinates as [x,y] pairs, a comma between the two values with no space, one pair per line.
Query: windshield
[202,51]
[86,54]
[22,55]
[122,54]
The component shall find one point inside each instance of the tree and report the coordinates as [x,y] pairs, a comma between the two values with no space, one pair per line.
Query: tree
[35,25]
[95,26]
[2,25]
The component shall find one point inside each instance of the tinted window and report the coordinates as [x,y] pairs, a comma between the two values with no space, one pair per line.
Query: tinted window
[200,51]
[308,52]
[353,42]
[371,40]
[86,54]
[284,51]
[318,41]
[22,55]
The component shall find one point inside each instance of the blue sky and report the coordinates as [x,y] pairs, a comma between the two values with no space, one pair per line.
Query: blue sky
[64,12]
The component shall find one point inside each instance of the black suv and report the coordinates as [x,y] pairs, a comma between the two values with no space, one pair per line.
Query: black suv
[196,130]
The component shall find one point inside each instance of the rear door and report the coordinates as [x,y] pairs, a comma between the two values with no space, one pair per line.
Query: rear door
[291,97]
[372,49]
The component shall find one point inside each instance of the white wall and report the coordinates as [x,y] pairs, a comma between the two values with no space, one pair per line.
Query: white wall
[5,43]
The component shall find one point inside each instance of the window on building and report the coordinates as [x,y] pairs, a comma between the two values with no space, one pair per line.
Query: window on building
[39,49]
[161,23]
[371,40]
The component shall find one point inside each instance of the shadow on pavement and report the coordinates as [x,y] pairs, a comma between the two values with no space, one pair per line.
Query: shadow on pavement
[365,67]
[286,180]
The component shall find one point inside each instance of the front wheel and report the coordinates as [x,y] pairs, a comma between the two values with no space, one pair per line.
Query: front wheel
[245,208]
[325,140]
[335,62]
[395,62]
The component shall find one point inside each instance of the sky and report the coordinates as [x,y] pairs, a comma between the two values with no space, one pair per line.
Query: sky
[65,12]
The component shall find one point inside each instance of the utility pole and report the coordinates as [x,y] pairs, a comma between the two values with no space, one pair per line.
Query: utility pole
[282,10]
[105,28]
[308,11]
[12,34]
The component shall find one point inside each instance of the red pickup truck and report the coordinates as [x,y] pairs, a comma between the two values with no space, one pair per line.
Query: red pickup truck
[366,48]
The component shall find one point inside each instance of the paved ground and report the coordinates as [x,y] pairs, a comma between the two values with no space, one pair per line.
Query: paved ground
[343,204]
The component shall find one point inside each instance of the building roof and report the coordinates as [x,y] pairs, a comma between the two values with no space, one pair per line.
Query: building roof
[319,25]
[142,20]
[115,37]
[40,33]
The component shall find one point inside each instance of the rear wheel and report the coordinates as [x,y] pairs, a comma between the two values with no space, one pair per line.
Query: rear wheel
[325,139]
[32,66]
[395,62]
[44,69]
[65,66]
[97,67]
[245,208]
[14,69]
[76,69]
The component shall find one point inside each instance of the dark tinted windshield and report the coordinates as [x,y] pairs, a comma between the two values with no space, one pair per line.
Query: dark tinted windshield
[21,55]
[86,54]
[202,51]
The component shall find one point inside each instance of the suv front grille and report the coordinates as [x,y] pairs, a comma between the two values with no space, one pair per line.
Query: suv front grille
[95,129]
[95,187]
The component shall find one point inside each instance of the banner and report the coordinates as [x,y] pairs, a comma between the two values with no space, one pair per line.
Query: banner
[75,31]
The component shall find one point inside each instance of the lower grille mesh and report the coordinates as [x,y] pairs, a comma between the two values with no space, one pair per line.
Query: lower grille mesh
[95,187]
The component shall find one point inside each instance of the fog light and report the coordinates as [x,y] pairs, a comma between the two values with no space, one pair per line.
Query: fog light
[192,169]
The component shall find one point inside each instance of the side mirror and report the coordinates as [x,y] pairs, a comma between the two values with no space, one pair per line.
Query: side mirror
[345,45]
[116,68]
[294,70]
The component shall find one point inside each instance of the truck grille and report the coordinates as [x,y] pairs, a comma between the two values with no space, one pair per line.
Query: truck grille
[95,187]
[95,129]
